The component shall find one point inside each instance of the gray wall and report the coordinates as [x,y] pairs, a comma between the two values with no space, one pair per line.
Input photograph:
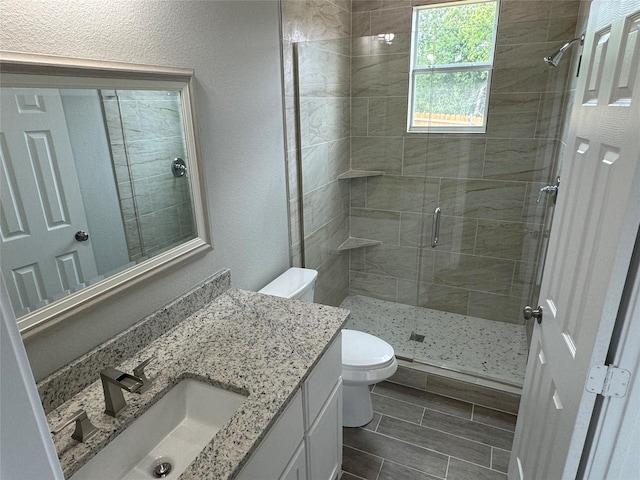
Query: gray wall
[234,48]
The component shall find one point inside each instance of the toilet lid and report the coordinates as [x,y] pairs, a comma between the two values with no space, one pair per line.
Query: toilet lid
[362,350]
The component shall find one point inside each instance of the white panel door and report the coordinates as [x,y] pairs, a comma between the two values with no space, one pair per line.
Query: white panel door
[41,206]
[592,238]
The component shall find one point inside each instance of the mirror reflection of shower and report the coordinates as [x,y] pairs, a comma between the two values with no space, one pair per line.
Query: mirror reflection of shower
[553,60]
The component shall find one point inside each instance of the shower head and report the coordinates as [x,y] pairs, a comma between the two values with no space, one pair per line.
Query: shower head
[554,59]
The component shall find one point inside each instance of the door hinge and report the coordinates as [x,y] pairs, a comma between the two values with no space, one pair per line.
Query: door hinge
[608,381]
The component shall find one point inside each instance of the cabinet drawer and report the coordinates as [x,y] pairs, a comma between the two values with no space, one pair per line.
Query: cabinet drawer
[322,380]
[276,449]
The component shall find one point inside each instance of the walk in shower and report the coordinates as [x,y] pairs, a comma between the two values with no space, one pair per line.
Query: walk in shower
[368,194]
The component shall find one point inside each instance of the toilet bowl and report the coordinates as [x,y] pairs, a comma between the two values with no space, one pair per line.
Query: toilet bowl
[366,359]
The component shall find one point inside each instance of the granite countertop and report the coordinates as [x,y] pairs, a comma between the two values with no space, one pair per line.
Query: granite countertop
[246,342]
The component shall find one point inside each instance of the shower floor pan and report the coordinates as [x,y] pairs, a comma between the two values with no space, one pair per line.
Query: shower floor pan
[482,348]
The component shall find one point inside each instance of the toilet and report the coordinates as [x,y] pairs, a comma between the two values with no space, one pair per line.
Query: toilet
[366,359]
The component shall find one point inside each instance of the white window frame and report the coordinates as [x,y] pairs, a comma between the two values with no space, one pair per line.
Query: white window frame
[416,71]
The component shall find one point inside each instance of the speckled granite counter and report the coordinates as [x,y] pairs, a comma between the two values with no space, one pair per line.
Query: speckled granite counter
[246,342]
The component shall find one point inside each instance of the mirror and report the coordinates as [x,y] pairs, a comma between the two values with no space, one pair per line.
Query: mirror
[101,181]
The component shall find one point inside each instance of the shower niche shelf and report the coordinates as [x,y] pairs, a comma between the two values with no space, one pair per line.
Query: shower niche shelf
[360,173]
[353,242]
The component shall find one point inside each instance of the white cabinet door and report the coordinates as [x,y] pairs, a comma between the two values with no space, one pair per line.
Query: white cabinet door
[324,439]
[306,446]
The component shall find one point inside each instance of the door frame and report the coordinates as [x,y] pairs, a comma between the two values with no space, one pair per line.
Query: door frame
[612,446]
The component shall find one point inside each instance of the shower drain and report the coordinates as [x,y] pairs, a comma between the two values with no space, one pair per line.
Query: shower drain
[161,470]
[416,337]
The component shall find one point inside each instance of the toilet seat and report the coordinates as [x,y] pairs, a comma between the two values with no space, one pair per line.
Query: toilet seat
[365,358]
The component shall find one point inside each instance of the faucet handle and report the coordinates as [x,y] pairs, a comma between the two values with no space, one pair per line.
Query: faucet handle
[84,428]
[139,372]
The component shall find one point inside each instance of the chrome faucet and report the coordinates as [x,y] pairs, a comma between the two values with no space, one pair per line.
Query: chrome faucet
[113,382]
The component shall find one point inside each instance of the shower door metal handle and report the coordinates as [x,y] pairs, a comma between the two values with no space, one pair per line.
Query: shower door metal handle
[528,313]
[435,231]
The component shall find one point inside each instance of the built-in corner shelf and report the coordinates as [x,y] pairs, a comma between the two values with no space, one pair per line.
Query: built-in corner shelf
[360,174]
[353,242]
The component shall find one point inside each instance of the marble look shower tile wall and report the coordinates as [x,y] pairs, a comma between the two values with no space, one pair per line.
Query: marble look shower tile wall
[309,20]
[324,72]
[377,225]
[317,48]
[392,261]
[496,200]
[462,158]
[377,153]
[380,75]
[324,204]
[436,296]
[376,286]
[144,127]
[473,272]
[486,184]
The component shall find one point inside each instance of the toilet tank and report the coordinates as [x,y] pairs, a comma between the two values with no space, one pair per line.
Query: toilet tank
[296,283]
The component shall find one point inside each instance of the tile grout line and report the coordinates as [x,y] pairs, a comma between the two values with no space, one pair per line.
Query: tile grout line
[437,430]
[380,469]
[378,423]
[463,400]
[430,449]
[423,406]
[446,472]
[491,459]
[450,414]
[398,463]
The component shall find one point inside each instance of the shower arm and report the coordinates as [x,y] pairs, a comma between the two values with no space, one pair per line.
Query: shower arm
[554,59]
[567,45]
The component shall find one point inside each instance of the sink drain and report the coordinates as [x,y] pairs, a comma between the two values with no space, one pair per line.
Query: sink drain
[161,470]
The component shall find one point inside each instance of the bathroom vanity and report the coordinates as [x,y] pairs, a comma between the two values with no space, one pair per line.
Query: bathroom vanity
[284,356]
[306,441]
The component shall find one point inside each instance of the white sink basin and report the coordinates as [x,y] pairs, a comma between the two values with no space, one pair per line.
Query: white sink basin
[174,430]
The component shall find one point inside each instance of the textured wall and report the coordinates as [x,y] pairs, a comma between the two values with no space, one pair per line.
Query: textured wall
[235,50]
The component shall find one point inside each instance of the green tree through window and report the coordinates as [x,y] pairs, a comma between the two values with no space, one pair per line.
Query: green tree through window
[452,52]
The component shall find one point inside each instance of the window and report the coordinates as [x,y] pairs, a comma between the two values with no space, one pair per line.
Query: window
[451,61]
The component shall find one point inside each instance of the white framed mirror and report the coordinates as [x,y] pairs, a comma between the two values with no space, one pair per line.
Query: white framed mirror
[102,183]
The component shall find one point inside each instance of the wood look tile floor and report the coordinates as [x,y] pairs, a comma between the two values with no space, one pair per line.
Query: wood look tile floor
[430,427]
